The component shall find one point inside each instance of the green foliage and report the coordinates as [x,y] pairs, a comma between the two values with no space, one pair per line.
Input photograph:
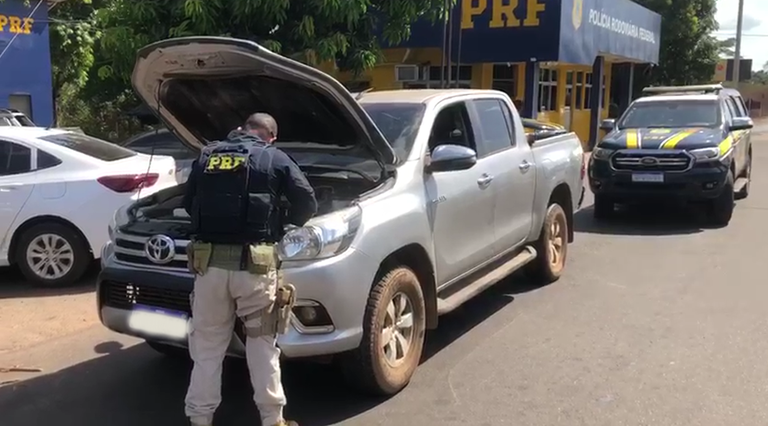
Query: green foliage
[689,52]
[727,48]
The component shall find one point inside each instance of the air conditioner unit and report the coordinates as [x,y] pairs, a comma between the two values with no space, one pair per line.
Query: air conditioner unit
[406,73]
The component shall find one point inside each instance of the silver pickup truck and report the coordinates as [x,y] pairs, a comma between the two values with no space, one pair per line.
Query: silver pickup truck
[427,197]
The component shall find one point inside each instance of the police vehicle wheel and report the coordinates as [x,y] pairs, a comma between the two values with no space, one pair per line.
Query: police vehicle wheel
[551,247]
[744,193]
[721,208]
[168,350]
[393,335]
[52,255]
[603,208]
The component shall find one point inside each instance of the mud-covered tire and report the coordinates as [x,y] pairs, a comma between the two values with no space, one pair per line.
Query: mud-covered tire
[603,207]
[551,247]
[367,368]
[744,192]
[169,350]
[62,241]
[721,208]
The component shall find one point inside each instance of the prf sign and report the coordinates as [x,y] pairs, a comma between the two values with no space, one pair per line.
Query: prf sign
[15,24]
[502,15]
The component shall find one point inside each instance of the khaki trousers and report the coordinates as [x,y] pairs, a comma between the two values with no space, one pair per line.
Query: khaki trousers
[219,296]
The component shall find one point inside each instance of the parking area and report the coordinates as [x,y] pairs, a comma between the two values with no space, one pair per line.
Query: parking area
[657,321]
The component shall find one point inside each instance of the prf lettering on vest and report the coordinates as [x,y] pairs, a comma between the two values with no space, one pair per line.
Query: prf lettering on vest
[15,24]
[502,15]
[224,163]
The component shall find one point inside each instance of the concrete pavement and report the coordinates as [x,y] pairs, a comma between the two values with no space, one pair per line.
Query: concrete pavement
[656,322]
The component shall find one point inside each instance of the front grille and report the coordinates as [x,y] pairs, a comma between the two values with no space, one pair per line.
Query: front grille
[125,296]
[676,161]
[130,249]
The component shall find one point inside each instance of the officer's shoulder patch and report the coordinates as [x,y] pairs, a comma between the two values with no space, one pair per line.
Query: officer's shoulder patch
[225,162]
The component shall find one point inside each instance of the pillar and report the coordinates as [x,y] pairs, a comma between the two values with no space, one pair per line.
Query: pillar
[531,104]
[595,101]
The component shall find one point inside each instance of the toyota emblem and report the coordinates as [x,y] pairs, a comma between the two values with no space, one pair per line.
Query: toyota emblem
[649,161]
[160,249]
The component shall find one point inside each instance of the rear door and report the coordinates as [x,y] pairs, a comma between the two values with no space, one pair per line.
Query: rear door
[16,184]
[461,203]
[511,166]
[742,111]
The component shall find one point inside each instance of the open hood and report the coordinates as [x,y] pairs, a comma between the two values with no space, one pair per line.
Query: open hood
[202,88]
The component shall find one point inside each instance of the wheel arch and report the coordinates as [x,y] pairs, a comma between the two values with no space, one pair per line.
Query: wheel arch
[39,220]
[415,257]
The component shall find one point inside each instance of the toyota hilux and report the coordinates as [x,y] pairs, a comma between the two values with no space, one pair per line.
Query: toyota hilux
[427,197]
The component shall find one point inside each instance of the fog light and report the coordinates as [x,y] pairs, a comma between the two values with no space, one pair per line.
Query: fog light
[710,185]
[311,314]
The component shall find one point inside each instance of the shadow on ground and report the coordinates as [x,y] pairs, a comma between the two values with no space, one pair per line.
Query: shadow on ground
[135,385]
[14,285]
[656,220]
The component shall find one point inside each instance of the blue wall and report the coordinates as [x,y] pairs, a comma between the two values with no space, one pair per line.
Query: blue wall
[619,27]
[570,31]
[25,68]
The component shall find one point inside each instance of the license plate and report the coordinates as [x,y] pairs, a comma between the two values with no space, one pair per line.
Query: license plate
[159,322]
[648,177]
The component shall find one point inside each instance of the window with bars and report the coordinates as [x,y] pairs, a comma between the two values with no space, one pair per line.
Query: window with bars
[547,89]
[505,79]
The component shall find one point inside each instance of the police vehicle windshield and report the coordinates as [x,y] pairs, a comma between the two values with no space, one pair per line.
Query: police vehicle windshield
[398,122]
[666,113]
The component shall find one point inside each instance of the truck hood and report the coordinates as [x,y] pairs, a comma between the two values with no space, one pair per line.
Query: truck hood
[655,138]
[202,88]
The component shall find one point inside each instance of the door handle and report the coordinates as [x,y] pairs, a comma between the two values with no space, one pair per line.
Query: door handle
[485,180]
[524,166]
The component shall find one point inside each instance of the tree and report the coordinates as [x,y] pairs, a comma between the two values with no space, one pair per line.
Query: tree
[308,30]
[727,48]
[689,52]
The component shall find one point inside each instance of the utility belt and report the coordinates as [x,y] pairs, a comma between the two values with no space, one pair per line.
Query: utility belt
[257,259]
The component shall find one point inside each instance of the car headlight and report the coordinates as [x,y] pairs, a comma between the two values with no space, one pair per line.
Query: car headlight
[119,218]
[706,154]
[602,153]
[322,237]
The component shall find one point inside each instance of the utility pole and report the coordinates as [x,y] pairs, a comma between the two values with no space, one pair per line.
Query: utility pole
[737,59]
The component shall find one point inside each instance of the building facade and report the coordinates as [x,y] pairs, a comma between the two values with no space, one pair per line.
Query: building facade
[25,60]
[556,57]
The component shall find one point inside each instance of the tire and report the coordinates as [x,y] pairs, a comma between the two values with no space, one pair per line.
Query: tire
[721,208]
[367,367]
[603,208]
[551,247]
[744,193]
[74,255]
[169,350]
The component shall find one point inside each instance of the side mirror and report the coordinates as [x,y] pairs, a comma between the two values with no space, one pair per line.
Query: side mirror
[741,123]
[608,124]
[449,158]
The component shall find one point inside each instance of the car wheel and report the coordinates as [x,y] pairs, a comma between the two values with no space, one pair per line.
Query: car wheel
[393,335]
[744,192]
[721,208]
[169,350]
[52,255]
[551,247]
[603,208]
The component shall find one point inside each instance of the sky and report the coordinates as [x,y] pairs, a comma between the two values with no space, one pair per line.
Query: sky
[755,28]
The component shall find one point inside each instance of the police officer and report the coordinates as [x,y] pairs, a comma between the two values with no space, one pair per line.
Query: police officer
[233,197]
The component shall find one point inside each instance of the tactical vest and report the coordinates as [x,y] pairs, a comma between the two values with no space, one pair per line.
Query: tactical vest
[234,202]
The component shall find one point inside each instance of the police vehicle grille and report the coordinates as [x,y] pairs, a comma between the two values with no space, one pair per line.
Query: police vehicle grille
[125,296]
[665,162]
[130,249]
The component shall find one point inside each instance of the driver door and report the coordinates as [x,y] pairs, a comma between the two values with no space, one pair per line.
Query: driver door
[460,203]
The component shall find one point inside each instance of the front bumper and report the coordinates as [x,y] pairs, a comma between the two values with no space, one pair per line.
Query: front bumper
[701,182]
[340,285]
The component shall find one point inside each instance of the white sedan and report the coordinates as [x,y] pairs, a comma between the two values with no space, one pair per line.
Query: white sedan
[58,192]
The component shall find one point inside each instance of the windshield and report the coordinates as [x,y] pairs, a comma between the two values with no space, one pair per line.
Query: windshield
[398,122]
[671,114]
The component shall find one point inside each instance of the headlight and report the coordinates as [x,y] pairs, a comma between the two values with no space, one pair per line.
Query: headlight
[706,154]
[602,153]
[120,218]
[323,237]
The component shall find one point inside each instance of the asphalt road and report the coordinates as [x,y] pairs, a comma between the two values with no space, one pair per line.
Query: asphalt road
[656,322]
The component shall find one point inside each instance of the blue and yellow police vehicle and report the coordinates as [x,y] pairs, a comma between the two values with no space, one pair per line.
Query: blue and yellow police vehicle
[687,143]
